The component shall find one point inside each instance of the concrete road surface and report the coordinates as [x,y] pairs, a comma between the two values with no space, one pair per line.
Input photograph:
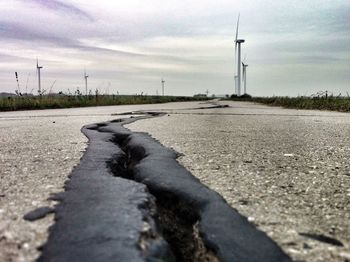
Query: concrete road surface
[286,170]
[38,150]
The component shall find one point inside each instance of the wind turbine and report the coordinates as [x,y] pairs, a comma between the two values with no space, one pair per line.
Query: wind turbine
[245,65]
[245,76]
[238,43]
[163,82]
[54,82]
[86,77]
[39,77]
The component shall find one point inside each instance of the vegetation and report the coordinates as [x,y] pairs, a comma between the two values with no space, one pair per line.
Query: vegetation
[12,103]
[319,102]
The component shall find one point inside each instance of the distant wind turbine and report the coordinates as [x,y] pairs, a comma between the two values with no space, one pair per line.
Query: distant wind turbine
[245,76]
[54,82]
[86,77]
[39,77]
[238,53]
[163,82]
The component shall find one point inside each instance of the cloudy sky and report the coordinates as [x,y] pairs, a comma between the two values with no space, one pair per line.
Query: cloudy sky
[293,47]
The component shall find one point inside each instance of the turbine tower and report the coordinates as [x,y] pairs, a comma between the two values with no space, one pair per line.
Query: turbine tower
[238,43]
[86,77]
[38,68]
[163,82]
[245,76]
[236,91]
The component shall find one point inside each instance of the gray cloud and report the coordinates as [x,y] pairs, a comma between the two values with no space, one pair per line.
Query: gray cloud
[319,45]
[19,32]
[9,58]
[16,31]
[61,7]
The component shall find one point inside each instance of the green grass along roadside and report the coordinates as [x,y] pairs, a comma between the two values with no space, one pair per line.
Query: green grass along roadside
[341,104]
[68,101]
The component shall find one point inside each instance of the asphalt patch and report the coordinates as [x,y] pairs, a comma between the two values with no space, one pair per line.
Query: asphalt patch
[38,213]
[129,199]
[323,238]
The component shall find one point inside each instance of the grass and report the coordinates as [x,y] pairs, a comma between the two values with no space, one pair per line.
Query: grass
[332,103]
[69,101]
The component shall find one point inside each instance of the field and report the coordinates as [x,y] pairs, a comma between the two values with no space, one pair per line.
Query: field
[341,104]
[67,101]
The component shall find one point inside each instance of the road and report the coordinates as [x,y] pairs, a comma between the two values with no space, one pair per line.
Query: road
[38,150]
[286,170]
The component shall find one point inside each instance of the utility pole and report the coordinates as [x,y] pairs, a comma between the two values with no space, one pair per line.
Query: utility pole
[18,91]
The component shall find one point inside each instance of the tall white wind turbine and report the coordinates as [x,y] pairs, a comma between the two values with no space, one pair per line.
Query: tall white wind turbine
[85,78]
[38,68]
[238,43]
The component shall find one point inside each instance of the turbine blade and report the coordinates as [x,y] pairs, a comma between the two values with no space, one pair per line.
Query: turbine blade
[237,27]
[236,37]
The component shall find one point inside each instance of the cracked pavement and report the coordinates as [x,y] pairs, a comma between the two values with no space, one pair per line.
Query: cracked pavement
[286,170]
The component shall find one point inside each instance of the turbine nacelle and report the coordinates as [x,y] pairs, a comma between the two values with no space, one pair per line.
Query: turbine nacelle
[238,41]
[37,64]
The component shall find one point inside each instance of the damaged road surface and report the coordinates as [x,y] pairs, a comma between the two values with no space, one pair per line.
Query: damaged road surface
[38,150]
[130,200]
